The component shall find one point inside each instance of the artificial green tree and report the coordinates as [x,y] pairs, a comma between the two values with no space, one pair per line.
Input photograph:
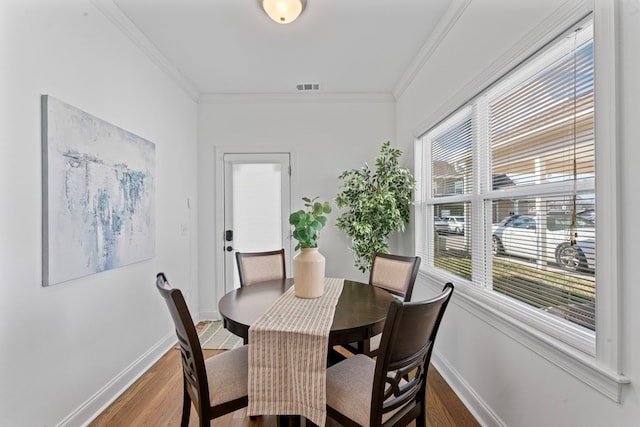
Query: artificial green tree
[377,203]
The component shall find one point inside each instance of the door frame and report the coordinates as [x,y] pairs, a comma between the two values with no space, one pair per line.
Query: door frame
[218,199]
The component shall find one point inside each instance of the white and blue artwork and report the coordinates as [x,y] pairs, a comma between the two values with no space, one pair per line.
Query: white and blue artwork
[98,194]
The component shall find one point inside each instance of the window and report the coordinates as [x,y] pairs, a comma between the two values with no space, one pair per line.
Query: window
[513,174]
[474,163]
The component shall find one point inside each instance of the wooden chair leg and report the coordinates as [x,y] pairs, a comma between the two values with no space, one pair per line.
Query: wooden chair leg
[186,405]
[421,420]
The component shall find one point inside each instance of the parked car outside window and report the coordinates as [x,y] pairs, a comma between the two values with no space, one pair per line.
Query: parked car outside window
[589,214]
[441,226]
[456,224]
[518,235]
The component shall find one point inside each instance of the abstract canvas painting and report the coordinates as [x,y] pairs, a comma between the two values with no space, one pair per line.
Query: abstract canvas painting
[98,194]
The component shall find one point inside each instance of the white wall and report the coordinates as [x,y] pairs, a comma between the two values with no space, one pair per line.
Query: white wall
[68,348]
[503,380]
[326,136]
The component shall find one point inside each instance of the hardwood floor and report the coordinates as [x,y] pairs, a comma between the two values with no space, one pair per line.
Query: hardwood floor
[155,399]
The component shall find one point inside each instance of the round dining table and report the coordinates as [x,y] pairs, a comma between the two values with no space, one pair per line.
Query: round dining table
[359,315]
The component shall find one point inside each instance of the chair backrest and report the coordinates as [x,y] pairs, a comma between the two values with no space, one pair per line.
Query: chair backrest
[193,367]
[408,337]
[254,267]
[395,273]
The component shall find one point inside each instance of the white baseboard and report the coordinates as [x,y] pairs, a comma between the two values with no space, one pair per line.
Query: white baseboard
[104,397]
[209,315]
[480,410]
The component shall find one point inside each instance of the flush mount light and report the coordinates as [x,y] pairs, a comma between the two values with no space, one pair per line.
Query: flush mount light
[283,11]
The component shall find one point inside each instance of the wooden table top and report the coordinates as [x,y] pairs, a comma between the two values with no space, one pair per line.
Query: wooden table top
[360,313]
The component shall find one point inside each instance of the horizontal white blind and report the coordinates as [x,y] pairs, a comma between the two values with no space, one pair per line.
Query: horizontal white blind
[452,245]
[451,160]
[541,130]
[544,256]
[532,130]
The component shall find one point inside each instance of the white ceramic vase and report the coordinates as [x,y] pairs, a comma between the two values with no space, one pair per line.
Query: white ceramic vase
[308,273]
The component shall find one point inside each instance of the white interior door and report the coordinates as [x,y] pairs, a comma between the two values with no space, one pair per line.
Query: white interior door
[256,207]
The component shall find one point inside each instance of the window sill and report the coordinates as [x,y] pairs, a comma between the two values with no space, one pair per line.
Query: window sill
[581,365]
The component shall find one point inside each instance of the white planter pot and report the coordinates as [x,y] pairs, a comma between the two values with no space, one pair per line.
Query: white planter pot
[308,273]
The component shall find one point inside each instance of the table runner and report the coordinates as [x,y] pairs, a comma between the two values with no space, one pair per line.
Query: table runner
[288,347]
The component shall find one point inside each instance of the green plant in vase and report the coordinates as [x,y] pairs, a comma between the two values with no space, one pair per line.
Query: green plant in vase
[308,223]
[309,263]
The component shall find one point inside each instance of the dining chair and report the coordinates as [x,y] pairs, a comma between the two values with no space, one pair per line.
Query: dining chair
[254,267]
[217,385]
[395,274]
[390,390]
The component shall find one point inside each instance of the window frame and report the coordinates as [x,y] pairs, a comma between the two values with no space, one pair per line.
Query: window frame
[593,359]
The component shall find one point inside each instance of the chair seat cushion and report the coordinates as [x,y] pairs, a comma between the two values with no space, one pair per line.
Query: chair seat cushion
[349,387]
[228,374]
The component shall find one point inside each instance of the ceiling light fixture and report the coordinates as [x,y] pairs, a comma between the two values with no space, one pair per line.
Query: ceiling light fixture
[283,11]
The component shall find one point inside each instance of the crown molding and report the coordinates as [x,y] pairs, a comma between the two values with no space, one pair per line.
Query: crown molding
[453,13]
[128,28]
[294,98]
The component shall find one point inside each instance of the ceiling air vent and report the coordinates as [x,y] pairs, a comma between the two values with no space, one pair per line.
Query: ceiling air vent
[308,87]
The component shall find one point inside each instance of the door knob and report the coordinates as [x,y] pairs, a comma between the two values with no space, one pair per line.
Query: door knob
[229,248]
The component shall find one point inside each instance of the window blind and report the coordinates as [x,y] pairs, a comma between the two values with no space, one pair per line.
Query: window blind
[541,130]
[541,136]
[534,130]
[451,160]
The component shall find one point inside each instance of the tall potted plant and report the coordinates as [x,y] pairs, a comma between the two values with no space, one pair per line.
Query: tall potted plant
[309,263]
[377,202]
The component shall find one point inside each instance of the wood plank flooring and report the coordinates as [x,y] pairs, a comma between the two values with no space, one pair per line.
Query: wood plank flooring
[155,399]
